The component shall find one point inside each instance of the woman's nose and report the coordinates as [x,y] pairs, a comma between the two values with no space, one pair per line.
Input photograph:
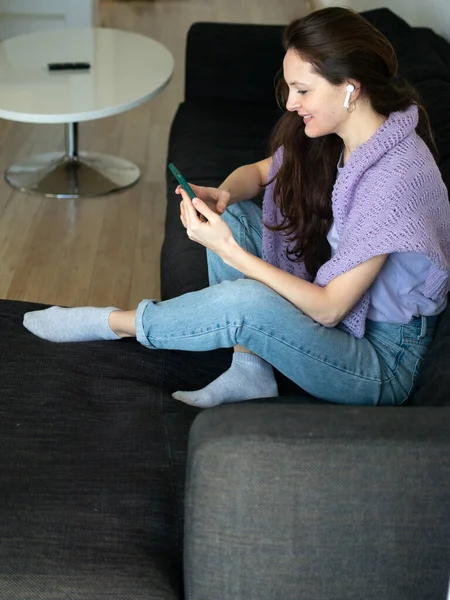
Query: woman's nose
[293,102]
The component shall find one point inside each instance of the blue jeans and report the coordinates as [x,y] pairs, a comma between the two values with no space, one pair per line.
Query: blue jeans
[380,368]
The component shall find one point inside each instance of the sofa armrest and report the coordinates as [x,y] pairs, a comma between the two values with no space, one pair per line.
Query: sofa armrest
[286,501]
[230,61]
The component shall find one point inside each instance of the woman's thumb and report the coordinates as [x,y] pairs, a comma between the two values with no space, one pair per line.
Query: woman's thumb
[223,197]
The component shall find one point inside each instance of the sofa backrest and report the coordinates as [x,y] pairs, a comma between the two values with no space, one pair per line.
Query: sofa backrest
[230,76]
[424,60]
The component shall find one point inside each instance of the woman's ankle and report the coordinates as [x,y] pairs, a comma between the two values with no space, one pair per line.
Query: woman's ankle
[239,348]
[123,323]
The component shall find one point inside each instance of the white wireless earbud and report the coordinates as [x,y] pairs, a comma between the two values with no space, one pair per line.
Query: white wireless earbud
[350,88]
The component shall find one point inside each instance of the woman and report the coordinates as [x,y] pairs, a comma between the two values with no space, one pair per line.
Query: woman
[339,282]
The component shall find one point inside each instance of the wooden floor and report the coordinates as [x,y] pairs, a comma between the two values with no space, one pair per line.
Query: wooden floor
[105,251]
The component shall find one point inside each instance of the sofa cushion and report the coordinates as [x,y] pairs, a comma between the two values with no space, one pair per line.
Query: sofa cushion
[92,464]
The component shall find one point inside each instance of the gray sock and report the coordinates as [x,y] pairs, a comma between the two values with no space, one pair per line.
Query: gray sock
[83,324]
[248,377]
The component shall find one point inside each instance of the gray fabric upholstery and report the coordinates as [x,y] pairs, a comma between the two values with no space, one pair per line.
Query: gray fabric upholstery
[322,503]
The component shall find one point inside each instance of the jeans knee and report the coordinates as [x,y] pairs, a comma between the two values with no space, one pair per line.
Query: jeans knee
[247,294]
[233,209]
[247,210]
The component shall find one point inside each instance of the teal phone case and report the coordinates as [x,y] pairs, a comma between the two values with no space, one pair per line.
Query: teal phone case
[182,181]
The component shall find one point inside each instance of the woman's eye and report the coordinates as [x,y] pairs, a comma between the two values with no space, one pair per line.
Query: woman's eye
[301,92]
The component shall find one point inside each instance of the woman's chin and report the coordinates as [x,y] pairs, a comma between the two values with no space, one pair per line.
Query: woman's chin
[313,132]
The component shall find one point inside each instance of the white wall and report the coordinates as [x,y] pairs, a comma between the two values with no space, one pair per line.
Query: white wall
[418,13]
[18,17]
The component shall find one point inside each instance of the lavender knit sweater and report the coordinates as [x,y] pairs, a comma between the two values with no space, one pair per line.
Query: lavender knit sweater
[389,197]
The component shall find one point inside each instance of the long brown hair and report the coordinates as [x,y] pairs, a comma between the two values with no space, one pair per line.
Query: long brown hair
[340,45]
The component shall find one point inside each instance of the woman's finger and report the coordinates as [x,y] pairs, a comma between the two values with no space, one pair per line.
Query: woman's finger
[182,213]
[190,214]
[204,210]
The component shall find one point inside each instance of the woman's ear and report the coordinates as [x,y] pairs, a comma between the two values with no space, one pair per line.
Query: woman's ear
[352,89]
[357,88]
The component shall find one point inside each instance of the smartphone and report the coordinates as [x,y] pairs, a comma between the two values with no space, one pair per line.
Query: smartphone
[182,181]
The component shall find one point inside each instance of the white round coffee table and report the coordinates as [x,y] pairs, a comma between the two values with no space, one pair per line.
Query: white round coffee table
[126,70]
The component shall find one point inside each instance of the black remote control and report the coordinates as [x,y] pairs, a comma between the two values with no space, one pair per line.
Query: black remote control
[68,66]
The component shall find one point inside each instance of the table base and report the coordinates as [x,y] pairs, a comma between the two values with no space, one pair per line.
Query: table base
[57,175]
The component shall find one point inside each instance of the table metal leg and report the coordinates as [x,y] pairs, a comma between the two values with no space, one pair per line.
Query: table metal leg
[72,174]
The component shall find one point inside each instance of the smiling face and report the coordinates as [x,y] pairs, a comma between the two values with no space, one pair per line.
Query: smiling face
[320,104]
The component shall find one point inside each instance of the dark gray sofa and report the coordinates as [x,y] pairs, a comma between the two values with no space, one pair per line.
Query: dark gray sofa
[111,490]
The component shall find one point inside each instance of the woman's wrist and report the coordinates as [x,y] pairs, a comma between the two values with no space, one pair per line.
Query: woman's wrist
[230,251]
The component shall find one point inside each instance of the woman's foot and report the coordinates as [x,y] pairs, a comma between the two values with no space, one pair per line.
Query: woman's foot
[83,324]
[248,377]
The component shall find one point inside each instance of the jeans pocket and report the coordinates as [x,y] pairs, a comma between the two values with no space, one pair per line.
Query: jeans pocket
[401,349]
[389,352]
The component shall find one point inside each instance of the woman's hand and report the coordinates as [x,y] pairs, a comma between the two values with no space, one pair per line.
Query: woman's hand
[217,200]
[207,228]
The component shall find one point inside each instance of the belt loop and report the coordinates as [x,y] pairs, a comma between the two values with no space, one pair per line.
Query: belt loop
[423,329]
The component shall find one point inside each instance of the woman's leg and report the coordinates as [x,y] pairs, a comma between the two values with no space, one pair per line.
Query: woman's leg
[245,221]
[326,362]
[249,376]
